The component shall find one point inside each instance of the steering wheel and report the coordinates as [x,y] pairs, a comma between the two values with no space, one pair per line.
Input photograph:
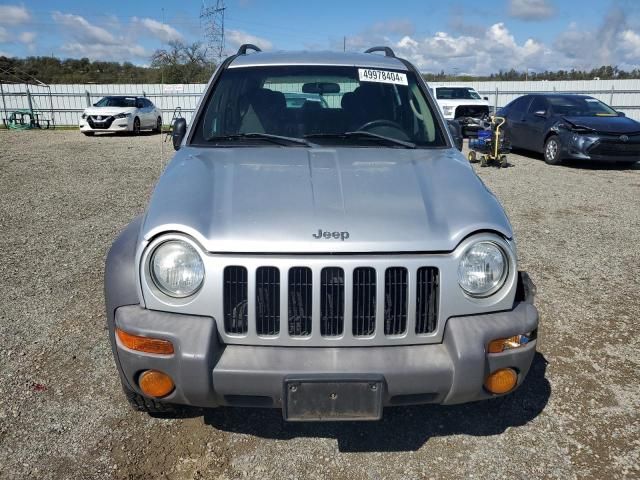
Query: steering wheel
[381,123]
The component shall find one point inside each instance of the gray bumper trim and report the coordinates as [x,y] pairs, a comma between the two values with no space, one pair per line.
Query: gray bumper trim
[208,373]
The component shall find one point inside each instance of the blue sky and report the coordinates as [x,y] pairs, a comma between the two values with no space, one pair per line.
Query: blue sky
[459,36]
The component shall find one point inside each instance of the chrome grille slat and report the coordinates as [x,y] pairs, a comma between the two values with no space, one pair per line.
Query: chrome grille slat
[427,290]
[364,301]
[331,301]
[395,301]
[235,300]
[267,301]
[300,295]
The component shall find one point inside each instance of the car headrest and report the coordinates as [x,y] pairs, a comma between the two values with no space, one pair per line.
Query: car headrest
[348,101]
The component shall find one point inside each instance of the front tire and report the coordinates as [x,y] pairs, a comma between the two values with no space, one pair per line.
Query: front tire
[136,126]
[158,127]
[147,405]
[472,157]
[552,150]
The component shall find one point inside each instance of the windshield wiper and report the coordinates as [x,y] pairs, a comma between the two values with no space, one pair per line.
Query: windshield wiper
[362,133]
[279,139]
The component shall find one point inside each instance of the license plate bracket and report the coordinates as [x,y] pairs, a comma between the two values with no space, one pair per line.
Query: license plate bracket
[332,398]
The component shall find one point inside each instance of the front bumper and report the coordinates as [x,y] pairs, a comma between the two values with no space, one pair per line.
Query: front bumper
[471,125]
[208,373]
[593,148]
[116,125]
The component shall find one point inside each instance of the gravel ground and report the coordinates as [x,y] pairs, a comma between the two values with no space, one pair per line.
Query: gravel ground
[63,199]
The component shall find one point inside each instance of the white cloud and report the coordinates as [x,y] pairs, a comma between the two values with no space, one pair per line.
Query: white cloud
[235,38]
[4,35]
[83,30]
[495,49]
[95,51]
[13,14]
[160,30]
[630,45]
[27,37]
[531,9]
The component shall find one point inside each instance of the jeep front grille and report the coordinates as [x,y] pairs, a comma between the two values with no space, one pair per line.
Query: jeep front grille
[360,303]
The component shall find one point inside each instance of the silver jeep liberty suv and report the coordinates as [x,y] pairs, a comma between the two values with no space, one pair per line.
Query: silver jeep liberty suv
[318,244]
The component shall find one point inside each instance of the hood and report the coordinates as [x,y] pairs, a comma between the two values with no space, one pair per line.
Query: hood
[613,125]
[462,101]
[108,111]
[283,200]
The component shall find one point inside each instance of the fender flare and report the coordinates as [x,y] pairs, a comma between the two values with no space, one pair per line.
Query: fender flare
[120,278]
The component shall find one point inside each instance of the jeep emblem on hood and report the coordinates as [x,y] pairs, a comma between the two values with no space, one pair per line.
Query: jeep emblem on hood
[328,235]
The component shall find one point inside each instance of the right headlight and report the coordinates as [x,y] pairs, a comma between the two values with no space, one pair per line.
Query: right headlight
[176,268]
[483,269]
[447,110]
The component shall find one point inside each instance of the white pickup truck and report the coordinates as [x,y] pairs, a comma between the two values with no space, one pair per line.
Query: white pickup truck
[463,104]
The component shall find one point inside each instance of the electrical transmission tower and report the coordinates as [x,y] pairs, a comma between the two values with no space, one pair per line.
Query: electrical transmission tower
[212,21]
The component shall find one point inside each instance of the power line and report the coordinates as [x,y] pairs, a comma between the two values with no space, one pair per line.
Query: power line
[212,19]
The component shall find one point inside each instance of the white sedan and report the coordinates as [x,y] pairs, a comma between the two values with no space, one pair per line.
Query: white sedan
[121,114]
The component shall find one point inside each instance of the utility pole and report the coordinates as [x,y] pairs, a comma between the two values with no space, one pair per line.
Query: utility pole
[344,44]
[212,20]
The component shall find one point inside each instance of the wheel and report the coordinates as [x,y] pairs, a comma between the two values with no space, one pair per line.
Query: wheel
[483,161]
[472,157]
[136,126]
[158,127]
[503,161]
[88,134]
[148,405]
[552,149]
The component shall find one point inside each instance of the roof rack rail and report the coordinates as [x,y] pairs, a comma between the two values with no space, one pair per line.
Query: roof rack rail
[247,46]
[387,51]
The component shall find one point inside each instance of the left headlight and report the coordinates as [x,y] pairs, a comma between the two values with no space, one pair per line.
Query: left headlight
[483,269]
[122,115]
[176,268]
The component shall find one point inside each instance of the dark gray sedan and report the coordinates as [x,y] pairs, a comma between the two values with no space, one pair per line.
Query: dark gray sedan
[576,127]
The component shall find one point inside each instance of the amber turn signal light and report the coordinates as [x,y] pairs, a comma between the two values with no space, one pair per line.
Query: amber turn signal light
[145,344]
[501,381]
[155,384]
[501,344]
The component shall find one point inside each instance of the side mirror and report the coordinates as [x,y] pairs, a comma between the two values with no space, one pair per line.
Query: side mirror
[622,114]
[540,113]
[178,132]
[456,133]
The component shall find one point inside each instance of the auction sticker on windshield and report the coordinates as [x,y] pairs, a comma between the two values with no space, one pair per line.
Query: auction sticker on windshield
[382,76]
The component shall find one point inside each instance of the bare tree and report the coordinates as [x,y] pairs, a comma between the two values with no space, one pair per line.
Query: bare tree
[181,63]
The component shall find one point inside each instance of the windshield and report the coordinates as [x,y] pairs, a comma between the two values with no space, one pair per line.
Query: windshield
[456,93]
[117,102]
[581,107]
[319,103]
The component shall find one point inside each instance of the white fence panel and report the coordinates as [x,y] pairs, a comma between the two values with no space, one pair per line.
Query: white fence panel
[64,103]
[623,95]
